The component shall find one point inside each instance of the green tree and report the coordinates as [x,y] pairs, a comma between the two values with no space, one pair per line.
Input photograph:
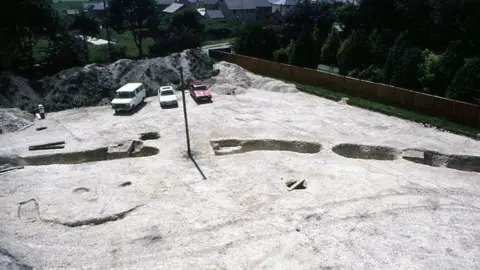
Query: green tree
[255,40]
[449,63]
[394,56]
[378,14]
[285,55]
[330,48]
[428,69]
[189,19]
[466,83]
[319,35]
[407,71]
[66,51]
[372,74]
[347,16]
[354,52]
[134,16]
[183,31]
[24,23]
[381,40]
[85,25]
[303,53]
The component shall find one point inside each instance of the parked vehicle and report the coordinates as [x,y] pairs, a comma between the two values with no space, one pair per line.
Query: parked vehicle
[199,92]
[129,96]
[167,96]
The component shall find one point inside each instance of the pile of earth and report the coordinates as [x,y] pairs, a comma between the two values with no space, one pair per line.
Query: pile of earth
[14,119]
[95,84]
[16,91]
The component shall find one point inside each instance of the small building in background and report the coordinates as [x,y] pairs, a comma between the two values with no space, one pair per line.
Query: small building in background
[163,4]
[174,8]
[95,9]
[264,9]
[283,6]
[244,10]
[214,14]
[72,12]
[201,11]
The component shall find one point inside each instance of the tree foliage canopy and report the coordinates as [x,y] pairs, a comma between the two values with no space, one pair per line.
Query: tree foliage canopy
[256,40]
[134,16]
[85,25]
[183,31]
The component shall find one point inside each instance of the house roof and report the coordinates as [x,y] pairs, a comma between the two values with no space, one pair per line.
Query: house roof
[262,3]
[164,2]
[173,8]
[72,11]
[240,4]
[94,6]
[201,11]
[284,2]
[215,14]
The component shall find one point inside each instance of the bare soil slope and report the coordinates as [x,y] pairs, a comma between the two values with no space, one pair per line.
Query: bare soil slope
[361,206]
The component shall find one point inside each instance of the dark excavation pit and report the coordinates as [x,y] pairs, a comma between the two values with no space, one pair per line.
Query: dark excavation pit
[234,146]
[80,157]
[360,151]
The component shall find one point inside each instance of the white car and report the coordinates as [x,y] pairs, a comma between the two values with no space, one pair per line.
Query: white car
[129,96]
[167,96]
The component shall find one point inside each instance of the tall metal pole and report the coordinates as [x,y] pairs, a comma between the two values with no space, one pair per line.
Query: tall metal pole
[185,112]
[105,21]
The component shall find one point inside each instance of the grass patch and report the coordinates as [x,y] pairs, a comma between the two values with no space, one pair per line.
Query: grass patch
[126,40]
[391,110]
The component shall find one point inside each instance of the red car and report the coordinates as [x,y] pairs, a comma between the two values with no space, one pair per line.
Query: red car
[199,92]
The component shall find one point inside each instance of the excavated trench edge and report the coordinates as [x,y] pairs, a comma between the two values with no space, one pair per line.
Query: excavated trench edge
[421,156]
[437,159]
[99,154]
[349,150]
[361,151]
[235,146]
[90,221]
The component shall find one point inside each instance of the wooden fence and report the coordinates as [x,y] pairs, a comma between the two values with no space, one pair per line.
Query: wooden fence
[453,110]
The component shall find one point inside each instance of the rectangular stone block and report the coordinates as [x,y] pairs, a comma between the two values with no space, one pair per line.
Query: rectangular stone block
[120,150]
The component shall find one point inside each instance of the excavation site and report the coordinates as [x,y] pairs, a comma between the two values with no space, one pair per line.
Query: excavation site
[269,178]
[426,157]
[366,151]
[136,149]
[236,146]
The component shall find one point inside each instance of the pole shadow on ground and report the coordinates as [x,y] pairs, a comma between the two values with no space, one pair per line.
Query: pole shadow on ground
[198,167]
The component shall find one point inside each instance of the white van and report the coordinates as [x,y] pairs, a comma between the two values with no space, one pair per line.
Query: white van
[129,96]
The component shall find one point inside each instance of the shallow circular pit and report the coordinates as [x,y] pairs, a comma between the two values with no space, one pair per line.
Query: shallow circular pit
[81,190]
[125,184]
[360,151]
[235,146]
